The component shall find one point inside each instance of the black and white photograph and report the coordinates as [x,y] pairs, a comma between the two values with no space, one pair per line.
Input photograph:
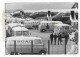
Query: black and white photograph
[41,28]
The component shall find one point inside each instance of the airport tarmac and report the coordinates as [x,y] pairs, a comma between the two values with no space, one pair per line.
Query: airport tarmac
[54,49]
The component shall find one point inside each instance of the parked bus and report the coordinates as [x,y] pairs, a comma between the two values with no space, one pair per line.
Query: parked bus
[48,25]
[10,26]
[24,45]
[20,31]
[62,28]
[31,24]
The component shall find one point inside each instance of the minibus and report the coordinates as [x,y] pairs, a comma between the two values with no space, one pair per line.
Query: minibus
[10,26]
[62,28]
[31,24]
[48,25]
[24,45]
[20,31]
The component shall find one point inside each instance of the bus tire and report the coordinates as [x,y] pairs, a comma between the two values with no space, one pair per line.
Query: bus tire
[42,52]
[43,30]
[13,53]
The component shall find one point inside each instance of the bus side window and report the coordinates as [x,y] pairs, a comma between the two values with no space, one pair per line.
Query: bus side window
[67,27]
[37,41]
[44,23]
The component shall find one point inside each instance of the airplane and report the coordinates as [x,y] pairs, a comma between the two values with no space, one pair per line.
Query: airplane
[53,14]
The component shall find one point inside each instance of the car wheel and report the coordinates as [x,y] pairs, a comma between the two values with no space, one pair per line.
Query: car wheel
[43,30]
[42,52]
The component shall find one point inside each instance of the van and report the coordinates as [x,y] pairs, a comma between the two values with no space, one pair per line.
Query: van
[31,24]
[16,29]
[20,31]
[62,28]
[48,25]
[8,20]
[23,45]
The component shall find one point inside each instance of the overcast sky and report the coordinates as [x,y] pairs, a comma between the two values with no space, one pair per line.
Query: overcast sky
[38,6]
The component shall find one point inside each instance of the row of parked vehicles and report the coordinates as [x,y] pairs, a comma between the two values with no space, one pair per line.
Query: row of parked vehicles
[20,33]
[43,26]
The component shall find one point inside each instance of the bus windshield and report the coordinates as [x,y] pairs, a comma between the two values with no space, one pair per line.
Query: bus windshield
[25,33]
[67,27]
[20,33]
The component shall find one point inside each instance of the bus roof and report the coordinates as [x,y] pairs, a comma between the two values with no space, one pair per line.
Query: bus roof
[22,38]
[61,25]
[52,22]
[15,24]
[31,21]
[18,28]
[74,20]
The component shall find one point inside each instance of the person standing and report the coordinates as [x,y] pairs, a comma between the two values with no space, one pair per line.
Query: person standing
[55,37]
[66,37]
[76,37]
[59,39]
[47,27]
[51,37]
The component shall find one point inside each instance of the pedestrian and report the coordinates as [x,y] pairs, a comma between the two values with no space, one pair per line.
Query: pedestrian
[76,37]
[66,36]
[59,39]
[47,27]
[55,37]
[51,37]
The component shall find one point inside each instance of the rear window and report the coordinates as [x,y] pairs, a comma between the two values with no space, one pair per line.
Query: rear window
[25,33]
[18,33]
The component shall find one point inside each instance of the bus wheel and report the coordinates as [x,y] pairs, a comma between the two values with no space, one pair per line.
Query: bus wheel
[13,53]
[43,30]
[42,52]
